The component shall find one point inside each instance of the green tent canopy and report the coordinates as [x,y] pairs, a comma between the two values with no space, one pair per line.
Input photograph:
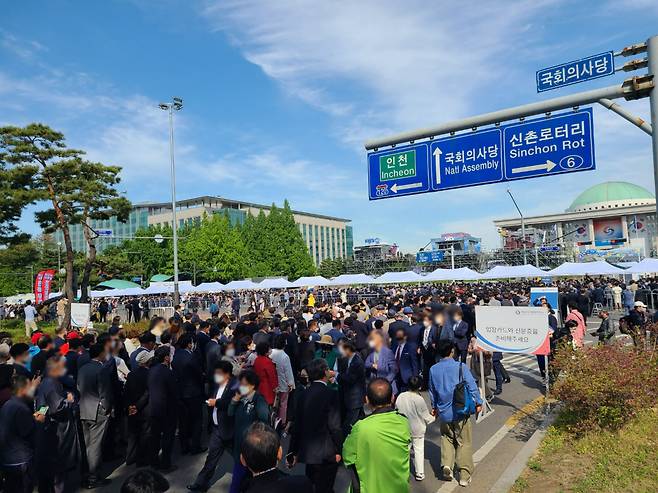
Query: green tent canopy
[161,278]
[118,284]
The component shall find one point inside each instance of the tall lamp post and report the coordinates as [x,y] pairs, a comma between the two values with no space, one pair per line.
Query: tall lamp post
[175,105]
[525,258]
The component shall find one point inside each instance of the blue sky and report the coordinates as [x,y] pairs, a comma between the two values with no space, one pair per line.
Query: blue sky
[280,95]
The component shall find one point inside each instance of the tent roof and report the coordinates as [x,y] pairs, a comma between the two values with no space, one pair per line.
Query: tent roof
[646,266]
[600,267]
[311,281]
[513,271]
[118,284]
[345,279]
[161,277]
[275,283]
[395,277]
[244,284]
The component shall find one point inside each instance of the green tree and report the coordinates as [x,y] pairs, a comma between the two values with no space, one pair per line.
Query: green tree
[257,242]
[40,153]
[296,260]
[217,249]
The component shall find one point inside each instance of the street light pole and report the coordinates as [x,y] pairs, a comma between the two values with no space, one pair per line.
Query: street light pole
[525,257]
[176,104]
[652,56]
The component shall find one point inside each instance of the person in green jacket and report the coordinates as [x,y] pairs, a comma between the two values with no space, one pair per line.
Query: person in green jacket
[376,451]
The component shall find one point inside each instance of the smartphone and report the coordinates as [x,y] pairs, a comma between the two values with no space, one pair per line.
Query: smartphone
[290,459]
[43,410]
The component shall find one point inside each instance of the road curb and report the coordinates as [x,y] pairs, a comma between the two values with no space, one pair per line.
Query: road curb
[518,464]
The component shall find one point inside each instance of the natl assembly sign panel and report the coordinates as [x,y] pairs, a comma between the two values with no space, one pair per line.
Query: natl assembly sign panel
[512,329]
[543,146]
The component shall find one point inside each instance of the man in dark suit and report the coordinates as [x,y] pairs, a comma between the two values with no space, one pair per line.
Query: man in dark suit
[20,353]
[162,410]
[401,322]
[223,389]
[72,356]
[189,378]
[316,436]
[351,384]
[260,453]
[202,339]
[47,349]
[213,352]
[96,396]
[136,400]
[406,357]
[361,333]
[427,340]
[146,343]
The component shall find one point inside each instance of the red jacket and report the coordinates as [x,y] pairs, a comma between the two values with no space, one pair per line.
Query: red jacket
[266,371]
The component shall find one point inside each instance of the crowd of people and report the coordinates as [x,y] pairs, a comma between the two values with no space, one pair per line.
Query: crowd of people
[339,382]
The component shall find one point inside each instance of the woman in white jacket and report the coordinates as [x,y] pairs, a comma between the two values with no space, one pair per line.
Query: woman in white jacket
[413,406]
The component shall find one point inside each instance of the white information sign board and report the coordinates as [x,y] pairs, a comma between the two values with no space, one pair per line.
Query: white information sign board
[512,329]
[80,314]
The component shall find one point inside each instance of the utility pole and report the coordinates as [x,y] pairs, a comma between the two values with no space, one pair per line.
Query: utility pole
[452,256]
[525,256]
[652,57]
[176,104]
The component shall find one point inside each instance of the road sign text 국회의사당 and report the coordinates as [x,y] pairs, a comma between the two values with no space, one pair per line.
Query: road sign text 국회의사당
[540,147]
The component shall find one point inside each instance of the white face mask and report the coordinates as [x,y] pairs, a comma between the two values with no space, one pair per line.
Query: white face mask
[342,352]
[230,352]
[427,323]
[371,344]
[219,378]
[243,389]
[30,392]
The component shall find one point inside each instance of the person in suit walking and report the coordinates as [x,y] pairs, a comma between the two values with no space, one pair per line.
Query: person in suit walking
[380,363]
[462,335]
[96,401]
[427,347]
[316,434]
[222,391]
[162,410]
[189,377]
[351,384]
[213,352]
[361,334]
[406,357]
[146,343]
[136,401]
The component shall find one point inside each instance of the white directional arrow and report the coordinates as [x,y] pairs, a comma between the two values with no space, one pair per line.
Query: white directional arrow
[408,186]
[548,166]
[437,165]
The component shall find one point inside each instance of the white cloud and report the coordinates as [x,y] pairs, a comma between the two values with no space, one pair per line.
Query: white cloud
[415,62]
[25,49]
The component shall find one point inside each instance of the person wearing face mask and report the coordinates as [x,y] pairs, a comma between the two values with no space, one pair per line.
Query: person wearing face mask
[427,341]
[221,429]
[247,406]
[380,363]
[162,410]
[351,384]
[58,444]
[96,403]
[462,334]
[18,427]
[189,376]
[406,358]
[265,368]
[20,353]
[231,356]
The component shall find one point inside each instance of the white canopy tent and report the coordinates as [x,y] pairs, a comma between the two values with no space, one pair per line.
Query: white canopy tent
[396,277]
[513,271]
[646,266]
[311,281]
[461,274]
[244,284]
[346,279]
[585,268]
[209,287]
[279,283]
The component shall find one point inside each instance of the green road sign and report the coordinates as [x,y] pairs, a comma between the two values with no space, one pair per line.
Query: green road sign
[398,165]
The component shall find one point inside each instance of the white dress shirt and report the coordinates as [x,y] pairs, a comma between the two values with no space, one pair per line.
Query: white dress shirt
[220,391]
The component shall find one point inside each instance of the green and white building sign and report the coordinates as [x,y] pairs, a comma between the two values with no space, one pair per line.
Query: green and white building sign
[398,165]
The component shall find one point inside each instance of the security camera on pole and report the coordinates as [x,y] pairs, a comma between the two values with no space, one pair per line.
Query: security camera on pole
[176,104]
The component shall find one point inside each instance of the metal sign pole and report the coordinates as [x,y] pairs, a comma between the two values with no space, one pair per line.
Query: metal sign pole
[652,56]
[486,407]
[547,383]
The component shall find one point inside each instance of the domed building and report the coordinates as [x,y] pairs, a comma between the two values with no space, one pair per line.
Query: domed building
[614,217]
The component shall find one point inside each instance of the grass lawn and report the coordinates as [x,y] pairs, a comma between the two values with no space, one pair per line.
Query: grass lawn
[601,461]
[16,328]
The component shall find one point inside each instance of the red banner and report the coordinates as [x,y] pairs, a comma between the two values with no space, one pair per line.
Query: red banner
[42,285]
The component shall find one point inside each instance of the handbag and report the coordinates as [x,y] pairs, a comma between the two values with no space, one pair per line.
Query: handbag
[463,404]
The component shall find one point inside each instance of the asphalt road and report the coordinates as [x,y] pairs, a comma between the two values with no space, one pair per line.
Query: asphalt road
[517,413]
